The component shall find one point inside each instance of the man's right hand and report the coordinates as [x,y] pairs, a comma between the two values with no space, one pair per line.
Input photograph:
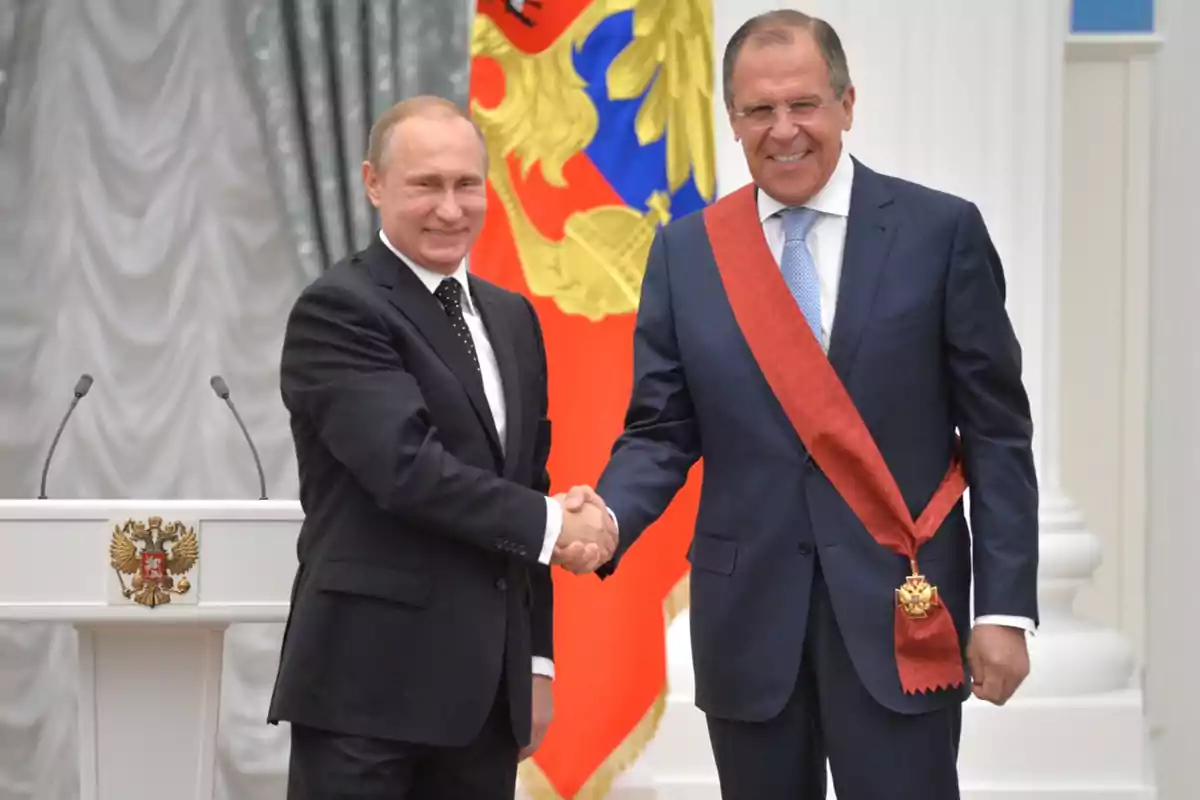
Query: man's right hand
[588,539]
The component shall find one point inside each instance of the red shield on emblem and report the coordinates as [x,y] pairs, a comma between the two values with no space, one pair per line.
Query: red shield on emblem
[154,566]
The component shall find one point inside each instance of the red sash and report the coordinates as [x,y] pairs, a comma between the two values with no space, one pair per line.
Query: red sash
[800,375]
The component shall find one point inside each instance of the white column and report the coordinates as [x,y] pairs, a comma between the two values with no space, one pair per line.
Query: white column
[1173,635]
[1069,655]
[967,97]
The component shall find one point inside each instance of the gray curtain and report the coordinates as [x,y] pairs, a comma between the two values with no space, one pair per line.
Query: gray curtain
[167,186]
[8,30]
[324,71]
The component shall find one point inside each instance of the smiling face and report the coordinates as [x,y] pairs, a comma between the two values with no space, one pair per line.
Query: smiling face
[787,116]
[429,188]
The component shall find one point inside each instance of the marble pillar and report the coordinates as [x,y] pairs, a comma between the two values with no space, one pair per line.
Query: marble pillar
[1173,637]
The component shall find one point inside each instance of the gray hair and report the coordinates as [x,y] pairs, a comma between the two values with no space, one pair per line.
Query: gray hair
[421,105]
[778,27]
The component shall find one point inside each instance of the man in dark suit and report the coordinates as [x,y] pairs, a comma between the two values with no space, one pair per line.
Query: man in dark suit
[822,339]
[417,658]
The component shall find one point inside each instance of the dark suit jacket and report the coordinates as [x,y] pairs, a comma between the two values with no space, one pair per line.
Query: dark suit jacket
[923,344]
[418,584]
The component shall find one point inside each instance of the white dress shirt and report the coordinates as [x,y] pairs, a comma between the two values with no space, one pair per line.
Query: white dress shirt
[493,389]
[826,238]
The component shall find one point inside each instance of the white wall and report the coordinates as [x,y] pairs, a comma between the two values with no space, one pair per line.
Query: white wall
[1107,116]
[1173,633]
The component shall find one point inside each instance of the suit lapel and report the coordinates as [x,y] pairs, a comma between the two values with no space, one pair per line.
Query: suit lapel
[501,336]
[870,229]
[406,292]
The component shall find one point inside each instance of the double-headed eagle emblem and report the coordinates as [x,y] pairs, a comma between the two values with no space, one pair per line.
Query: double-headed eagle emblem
[594,267]
[916,597]
[154,553]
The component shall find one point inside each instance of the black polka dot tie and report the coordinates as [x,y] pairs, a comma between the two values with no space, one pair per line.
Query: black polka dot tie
[449,292]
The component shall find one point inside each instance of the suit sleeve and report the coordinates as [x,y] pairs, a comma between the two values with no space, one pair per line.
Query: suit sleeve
[991,411]
[342,374]
[651,459]
[542,607]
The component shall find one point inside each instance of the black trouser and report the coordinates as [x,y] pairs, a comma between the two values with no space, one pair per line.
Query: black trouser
[330,766]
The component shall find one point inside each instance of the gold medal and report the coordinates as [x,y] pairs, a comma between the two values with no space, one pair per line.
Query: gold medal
[916,596]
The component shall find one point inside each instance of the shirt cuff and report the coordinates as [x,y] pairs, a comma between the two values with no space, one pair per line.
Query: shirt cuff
[613,517]
[554,522]
[1025,623]
[543,666]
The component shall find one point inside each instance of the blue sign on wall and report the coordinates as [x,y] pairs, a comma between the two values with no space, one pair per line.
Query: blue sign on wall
[1112,16]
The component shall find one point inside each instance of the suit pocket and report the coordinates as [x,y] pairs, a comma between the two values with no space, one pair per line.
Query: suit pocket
[713,554]
[920,317]
[384,583]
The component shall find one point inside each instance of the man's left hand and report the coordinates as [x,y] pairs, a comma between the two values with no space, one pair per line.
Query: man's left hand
[999,659]
[543,712]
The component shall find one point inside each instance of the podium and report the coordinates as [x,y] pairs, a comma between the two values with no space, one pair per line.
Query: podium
[150,586]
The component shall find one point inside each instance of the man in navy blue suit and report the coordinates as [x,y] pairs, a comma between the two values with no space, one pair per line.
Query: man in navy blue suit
[833,343]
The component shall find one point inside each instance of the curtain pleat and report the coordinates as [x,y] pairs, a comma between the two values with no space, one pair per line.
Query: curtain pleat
[326,71]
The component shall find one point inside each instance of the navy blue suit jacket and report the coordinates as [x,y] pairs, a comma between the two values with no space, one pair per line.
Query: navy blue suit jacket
[923,344]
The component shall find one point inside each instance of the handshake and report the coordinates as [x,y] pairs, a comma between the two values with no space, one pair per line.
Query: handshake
[589,534]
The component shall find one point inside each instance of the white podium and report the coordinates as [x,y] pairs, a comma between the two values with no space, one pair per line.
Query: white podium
[150,585]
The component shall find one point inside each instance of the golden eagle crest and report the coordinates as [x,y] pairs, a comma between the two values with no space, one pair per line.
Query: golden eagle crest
[547,117]
[154,553]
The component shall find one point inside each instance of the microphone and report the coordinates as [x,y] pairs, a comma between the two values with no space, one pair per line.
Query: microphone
[222,391]
[82,386]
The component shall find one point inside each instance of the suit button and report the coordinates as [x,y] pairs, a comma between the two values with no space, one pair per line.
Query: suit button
[805,549]
[501,584]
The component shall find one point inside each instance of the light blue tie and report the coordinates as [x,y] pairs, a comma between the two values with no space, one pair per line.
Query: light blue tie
[799,269]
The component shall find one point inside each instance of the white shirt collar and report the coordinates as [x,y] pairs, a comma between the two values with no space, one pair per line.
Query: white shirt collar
[833,198]
[433,279]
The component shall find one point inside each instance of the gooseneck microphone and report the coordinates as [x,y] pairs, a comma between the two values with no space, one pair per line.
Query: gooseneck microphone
[82,386]
[222,391]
